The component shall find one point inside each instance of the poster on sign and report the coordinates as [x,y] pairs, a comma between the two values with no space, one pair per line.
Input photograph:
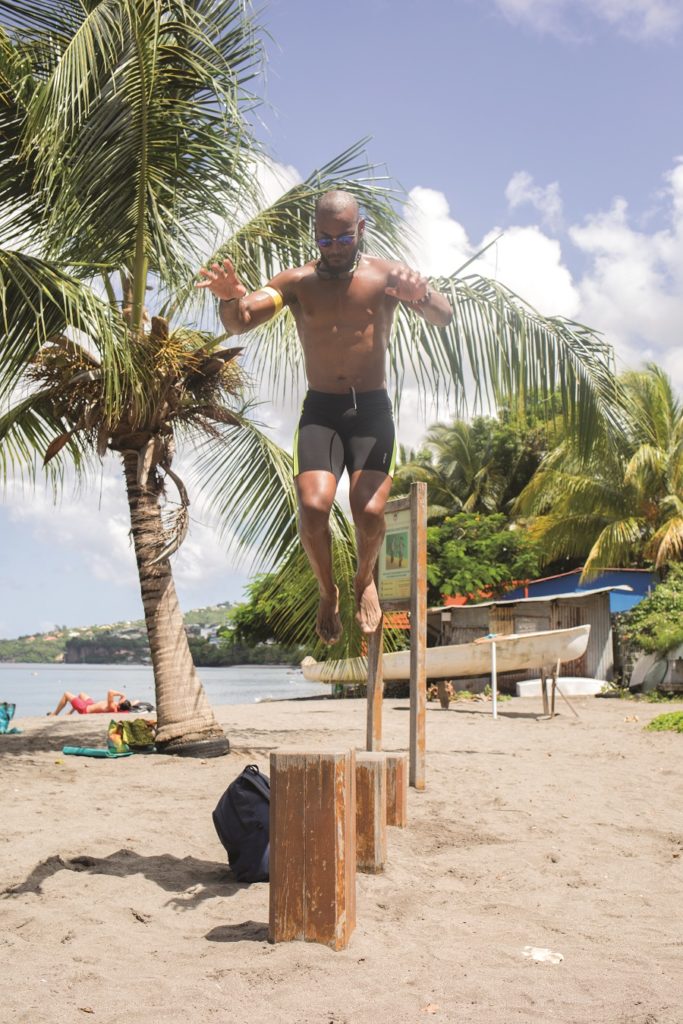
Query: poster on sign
[394,557]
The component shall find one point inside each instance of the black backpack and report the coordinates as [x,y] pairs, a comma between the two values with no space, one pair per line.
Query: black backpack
[241,818]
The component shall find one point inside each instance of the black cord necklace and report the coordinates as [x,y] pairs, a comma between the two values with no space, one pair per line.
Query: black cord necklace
[327,274]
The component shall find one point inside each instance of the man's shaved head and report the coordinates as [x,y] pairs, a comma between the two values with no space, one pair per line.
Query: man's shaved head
[337,203]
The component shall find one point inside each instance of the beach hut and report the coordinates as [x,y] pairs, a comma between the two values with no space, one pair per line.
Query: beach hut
[457,624]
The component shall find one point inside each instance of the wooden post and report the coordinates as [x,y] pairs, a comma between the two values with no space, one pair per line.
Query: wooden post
[494,680]
[397,790]
[371,812]
[375,691]
[418,633]
[444,699]
[312,846]
[544,690]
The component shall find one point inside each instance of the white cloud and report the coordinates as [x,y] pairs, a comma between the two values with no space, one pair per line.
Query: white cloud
[636,19]
[521,189]
[440,245]
[523,258]
[95,525]
[633,286]
[630,288]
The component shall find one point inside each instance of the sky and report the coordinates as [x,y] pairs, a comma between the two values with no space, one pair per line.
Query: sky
[555,123]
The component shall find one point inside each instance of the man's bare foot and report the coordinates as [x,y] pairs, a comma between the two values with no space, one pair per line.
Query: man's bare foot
[367,600]
[329,625]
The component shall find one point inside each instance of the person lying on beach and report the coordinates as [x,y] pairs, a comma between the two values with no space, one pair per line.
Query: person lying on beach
[85,705]
[343,304]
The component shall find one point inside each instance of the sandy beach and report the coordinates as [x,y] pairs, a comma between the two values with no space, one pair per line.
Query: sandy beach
[117,902]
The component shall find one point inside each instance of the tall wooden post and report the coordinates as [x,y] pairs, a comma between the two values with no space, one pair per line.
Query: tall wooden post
[375,688]
[418,633]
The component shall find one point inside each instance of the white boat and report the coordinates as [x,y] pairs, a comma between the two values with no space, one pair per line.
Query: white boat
[514,651]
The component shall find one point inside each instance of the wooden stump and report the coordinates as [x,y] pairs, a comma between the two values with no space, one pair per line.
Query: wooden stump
[312,846]
[444,699]
[371,812]
[397,789]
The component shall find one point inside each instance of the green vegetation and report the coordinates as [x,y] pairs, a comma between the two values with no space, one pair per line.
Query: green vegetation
[474,554]
[119,643]
[620,503]
[478,466]
[655,625]
[234,653]
[671,722]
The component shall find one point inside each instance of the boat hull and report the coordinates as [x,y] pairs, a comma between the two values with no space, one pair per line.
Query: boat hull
[513,653]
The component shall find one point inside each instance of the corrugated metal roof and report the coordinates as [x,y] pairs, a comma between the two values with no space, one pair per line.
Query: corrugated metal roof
[571,596]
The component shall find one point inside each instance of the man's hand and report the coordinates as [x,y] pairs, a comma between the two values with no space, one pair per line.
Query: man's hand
[223,282]
[407,285]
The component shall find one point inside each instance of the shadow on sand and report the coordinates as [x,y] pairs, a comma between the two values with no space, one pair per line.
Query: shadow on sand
[190,880]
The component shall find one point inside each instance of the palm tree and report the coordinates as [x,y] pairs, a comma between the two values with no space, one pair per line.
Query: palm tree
[474,466]
[124,142]
[623,503]
[84,372]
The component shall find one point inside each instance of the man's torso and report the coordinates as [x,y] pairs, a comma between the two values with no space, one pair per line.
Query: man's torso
[343,323]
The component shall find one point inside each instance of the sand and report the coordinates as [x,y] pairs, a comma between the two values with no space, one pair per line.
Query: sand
[117,903]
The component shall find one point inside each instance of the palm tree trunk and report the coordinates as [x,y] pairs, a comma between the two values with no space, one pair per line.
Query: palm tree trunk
[186,722]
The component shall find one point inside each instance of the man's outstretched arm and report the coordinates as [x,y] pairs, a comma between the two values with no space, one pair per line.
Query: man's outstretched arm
[240,312]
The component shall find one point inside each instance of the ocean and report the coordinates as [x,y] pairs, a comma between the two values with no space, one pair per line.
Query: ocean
[35,689]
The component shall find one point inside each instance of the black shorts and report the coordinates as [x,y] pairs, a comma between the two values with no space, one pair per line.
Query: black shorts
[353,430]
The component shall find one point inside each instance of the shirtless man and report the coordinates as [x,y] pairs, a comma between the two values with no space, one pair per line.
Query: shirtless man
[85,705]
[343,304]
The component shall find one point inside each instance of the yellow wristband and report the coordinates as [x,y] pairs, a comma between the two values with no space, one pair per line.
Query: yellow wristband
[275,296]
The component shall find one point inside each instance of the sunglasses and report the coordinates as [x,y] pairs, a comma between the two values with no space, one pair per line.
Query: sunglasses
[325,243]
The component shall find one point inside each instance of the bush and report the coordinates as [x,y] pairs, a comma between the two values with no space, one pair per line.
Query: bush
[671,722]
[656,624]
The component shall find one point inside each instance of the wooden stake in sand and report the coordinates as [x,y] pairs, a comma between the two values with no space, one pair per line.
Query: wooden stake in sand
[397,790]
[371,812]
[312,846]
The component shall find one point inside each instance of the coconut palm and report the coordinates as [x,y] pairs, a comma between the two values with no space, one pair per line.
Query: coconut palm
[623,503]
[85,373]
[474,466]
[124,145]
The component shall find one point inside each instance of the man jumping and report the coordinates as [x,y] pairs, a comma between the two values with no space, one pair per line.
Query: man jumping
[343,304]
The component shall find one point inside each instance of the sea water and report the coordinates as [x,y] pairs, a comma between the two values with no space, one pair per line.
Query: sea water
[36,689]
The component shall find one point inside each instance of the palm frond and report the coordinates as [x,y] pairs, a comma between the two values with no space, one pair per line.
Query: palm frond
[666,545]
[28,430]
[40,302]
[143,106]
[615,546]
[512,352]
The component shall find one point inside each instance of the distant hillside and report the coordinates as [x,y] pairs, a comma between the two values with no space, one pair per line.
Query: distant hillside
[118,643]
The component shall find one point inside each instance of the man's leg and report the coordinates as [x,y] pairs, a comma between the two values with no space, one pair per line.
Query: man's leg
[316,490]
[368,496]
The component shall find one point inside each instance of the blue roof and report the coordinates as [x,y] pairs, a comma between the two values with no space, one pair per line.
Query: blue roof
[640,581]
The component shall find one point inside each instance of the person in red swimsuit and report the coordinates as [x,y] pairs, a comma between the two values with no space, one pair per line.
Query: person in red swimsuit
[85,705]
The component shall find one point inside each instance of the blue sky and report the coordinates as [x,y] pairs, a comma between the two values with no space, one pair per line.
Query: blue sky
[556,122]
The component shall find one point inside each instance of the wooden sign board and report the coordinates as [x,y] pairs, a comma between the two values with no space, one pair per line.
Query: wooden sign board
[402,586]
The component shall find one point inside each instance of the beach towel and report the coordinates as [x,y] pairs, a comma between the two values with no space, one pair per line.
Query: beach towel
[6,715]
[96,752]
